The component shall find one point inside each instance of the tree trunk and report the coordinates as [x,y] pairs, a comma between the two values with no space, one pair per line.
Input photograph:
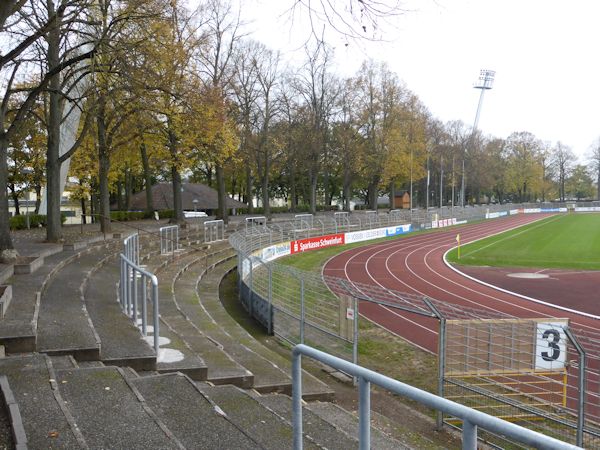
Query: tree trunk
[313,191]
[54,226]
[103,167]
[147,178]
[38,197]
[249,196]
[392,194]
[15,199]
[176,181]
[178,216]
[128,188]
[222,196]
[7,251]
[120,205]
[293,190]
[265,187]
[83,212]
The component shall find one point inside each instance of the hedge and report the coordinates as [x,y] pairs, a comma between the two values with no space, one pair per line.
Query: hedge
[35,220]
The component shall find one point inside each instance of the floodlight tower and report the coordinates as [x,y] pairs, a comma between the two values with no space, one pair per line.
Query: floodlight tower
[484,83]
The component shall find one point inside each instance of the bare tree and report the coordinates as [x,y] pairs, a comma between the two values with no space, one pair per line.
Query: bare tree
[563,160]
[594,158]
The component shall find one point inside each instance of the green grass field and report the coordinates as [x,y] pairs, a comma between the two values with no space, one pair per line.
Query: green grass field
[570,241]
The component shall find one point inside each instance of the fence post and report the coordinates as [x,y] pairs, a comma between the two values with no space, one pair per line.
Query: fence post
[250,309]
[581,387]
[439,421]
[270,298]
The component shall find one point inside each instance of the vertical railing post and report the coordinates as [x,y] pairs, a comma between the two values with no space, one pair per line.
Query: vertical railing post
[364,414]
[129,272]
[469,436]
[122,282]
[297,399]
[250,308]
[155,314]
[135,299]
[144,306]
[355,334]
[302,310]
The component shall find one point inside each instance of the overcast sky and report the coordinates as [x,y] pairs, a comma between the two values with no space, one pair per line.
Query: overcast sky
[545,54]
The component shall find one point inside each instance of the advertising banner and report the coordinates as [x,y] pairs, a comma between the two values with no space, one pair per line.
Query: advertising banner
[316,243]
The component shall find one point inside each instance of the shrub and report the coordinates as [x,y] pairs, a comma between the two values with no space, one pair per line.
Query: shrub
[124,216]
[35,220]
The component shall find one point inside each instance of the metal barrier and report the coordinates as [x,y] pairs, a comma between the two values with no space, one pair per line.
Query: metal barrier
[132,248]
[129,292]
[214,230]
[471,419]
[169,239]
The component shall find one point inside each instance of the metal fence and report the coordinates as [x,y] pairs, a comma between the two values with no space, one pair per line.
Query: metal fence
[322,311]
[169,239]
[136,287]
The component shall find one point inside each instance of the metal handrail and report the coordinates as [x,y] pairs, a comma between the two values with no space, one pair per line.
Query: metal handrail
[129,295]
[169,239]
[471,418]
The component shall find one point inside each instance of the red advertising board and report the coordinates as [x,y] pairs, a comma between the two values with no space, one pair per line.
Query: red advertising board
[304,245]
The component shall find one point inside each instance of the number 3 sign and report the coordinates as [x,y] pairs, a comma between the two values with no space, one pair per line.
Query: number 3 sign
[550,347]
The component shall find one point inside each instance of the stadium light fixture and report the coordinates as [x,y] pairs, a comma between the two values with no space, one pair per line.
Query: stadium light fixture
[484,83]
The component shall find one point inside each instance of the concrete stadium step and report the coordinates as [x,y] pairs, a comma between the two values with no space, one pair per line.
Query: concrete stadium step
[222,369]
[63,324]
[18,328]
[262,424]
[108,411]
[314,389]
[321,431]
[193,419]
[122,343]
[348,423]
[267,376]
[46,420]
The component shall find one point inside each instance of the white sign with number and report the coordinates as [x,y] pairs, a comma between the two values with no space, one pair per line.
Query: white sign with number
[550,346]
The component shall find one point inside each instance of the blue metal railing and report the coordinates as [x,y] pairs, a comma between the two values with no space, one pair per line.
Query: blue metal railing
[472,419]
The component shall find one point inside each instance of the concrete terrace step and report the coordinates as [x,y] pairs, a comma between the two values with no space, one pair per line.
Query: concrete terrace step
[265,426]
[46,420]
[208,287]
[321,431]
[64,325]
[109,413]
[267,376]
[18,329]
[122,343]
[221,367]
[195,421]
[348,423]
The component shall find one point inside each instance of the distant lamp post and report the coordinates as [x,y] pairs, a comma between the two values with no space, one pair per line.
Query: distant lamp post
[195,202]
[27,171]
[484,83]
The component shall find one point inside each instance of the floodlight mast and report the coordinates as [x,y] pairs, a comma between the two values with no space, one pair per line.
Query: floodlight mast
[484,83]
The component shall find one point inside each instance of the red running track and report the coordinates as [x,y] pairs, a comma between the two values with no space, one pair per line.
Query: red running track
[415,265]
